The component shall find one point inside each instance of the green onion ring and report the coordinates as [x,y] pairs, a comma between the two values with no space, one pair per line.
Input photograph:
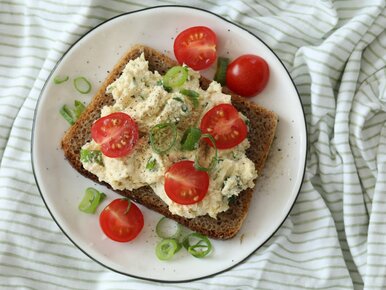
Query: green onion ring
[153,140]
[175,77]
[214,161]
[190,139]
[222,65]
[162,227]
[82,85]
[60,79]
[92,198]
[166,249]
[201,248]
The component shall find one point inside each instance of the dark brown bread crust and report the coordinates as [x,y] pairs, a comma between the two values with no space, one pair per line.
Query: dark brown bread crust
[262,130]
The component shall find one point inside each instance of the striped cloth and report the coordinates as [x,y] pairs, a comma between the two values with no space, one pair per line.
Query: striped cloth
[335,236]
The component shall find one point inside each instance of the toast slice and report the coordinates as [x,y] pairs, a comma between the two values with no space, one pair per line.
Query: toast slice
[261,134]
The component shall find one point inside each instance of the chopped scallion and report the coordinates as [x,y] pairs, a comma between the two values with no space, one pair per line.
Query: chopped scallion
[151,163]
[166,249]
[221,71]
[190,139]
[79,108]
[91,200]
[60,79]
[91,156]
[168,229]
[161,133]
[68,114]
[197,245]
[82,85]
[175,77]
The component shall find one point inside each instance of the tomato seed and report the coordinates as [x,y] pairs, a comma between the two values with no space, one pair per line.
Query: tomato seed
[220,113]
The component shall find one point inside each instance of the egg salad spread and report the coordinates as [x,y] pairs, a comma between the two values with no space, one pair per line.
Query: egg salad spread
[142,95]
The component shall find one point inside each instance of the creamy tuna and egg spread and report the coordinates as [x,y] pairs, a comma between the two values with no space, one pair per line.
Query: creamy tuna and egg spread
[139,93]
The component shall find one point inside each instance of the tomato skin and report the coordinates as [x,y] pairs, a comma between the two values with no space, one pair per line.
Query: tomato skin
[247,75]
[120,224]
[223,122]
[196,47]
[117,134]
[184,184]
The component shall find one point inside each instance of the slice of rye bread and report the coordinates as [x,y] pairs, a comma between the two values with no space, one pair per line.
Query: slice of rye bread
[262,130]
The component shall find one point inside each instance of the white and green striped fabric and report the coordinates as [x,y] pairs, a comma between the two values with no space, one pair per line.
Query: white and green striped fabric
[335,236]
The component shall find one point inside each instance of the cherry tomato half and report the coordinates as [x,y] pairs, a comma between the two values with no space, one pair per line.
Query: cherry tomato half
[247,75]
[121,220]
[196,47]
[223,122]
[117,134]
[184,184]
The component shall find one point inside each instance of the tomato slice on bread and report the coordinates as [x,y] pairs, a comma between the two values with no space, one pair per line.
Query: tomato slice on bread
[121,220]
[223,122]
[117,134]
[184,184]
[196,47]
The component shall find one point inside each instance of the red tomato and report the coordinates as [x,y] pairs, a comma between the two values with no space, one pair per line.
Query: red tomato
[121,220]
[247,75]
[223,122]
[184,184]
[117,134]
[196,47]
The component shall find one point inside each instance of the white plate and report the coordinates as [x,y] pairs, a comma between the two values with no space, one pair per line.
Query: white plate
[62,187]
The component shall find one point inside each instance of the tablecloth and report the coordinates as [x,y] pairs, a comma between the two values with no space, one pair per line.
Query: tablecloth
[335,235]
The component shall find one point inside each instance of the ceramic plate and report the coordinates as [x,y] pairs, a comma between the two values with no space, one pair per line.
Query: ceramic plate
[62,187]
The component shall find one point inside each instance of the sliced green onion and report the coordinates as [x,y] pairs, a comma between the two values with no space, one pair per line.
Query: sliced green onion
[214,161]
[82,85]
[79,108]
[175,77]
[91,156]
[192,95]
[68,114]
[197,245]
[92,198]
[166,249]
[221,71]
[157,135]
[60,79]
[190,139]
[178,99]
[71,115]
[168,229]
[151,163]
